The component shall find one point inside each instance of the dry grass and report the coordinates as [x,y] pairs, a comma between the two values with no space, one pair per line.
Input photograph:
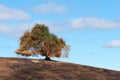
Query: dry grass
[28,69]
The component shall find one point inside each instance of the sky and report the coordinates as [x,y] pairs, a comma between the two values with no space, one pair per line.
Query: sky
[90,27]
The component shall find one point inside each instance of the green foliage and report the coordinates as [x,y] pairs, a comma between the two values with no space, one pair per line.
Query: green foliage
[39,41]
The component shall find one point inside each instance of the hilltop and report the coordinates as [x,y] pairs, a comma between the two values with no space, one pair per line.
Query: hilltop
[31,69]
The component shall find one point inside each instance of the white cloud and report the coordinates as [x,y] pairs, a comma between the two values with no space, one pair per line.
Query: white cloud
[53,26]
[58,26]
[7,13]
[50,8]
[94,23]
[16,30]
[3,28]
[77,23]
[113,44]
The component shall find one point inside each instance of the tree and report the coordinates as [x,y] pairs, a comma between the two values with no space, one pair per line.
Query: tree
[39,41]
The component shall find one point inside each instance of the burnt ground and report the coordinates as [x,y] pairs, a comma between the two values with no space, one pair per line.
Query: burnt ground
[29,69]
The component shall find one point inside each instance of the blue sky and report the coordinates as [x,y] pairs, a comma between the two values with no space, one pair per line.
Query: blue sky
[90,27]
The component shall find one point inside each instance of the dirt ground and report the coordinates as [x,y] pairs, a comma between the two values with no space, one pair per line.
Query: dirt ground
[29,69]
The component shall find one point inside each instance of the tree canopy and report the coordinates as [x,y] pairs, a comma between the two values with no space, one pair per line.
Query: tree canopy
[39,41]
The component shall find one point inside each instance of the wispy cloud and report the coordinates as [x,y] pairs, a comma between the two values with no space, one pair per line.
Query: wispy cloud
[93,22]
[112,44]
[54,26]
[47,8]
[59,26]
[7,13]
[16,30]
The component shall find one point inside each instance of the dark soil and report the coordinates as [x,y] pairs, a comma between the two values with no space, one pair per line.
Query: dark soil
[29,69]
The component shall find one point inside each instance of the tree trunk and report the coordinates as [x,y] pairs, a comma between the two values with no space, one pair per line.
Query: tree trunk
[47,58]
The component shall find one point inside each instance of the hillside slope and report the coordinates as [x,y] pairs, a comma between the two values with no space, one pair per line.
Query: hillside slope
[28,69]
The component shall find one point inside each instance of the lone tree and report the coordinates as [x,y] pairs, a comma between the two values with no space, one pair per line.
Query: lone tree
[39,41]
